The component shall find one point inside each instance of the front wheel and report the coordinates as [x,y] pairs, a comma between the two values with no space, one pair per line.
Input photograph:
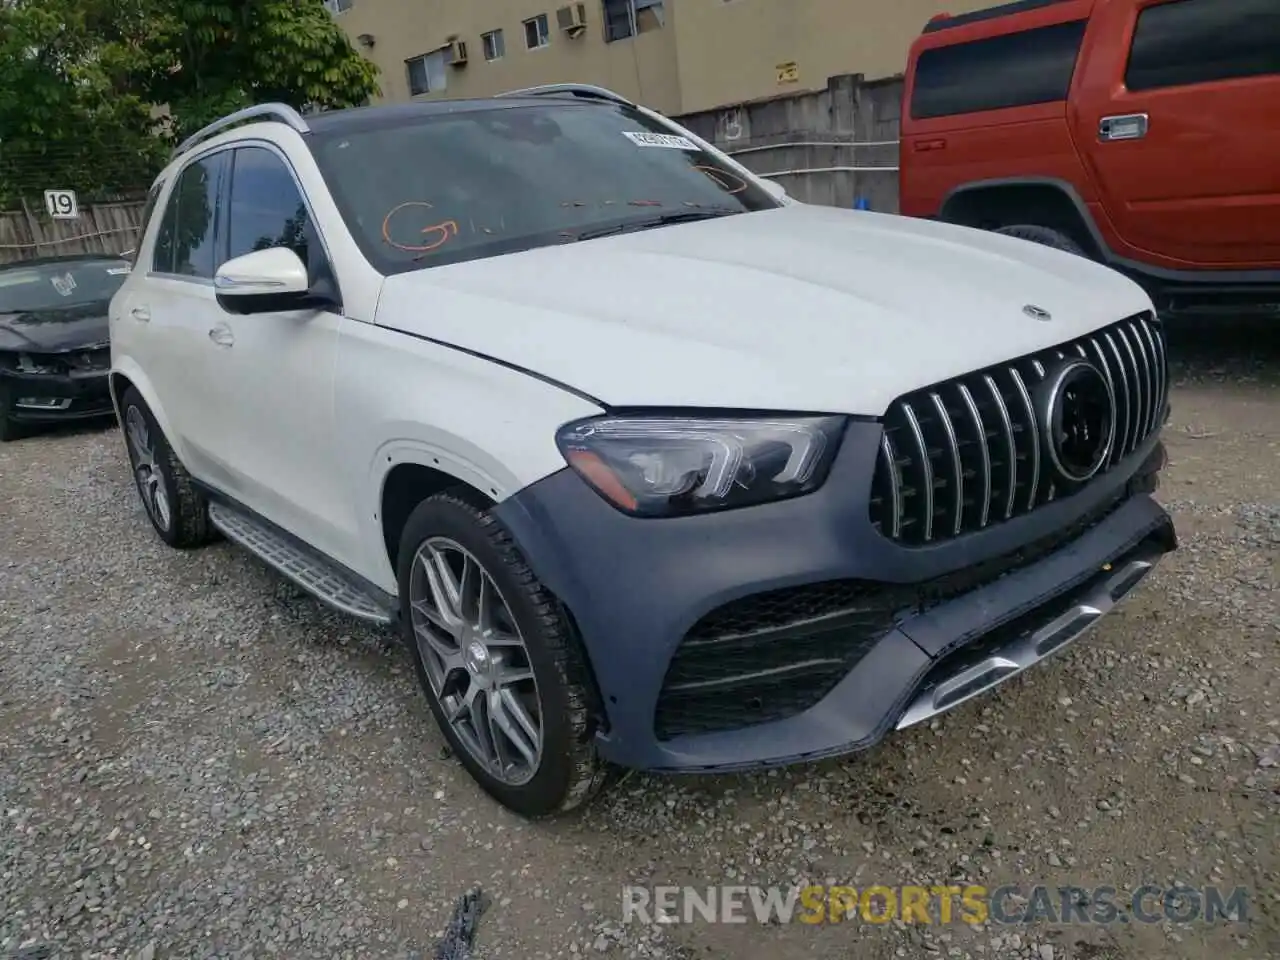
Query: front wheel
[504,675]
[9,429]
[1045,236]
[176,509]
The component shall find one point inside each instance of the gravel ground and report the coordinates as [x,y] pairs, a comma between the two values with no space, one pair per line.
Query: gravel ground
[199,762]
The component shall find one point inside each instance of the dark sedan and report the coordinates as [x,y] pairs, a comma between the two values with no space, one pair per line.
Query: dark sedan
[55,356]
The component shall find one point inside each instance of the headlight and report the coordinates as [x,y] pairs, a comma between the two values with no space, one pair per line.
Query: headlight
[669,466]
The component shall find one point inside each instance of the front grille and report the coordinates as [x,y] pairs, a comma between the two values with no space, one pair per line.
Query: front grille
[75,361]
[772,655]
[961,455]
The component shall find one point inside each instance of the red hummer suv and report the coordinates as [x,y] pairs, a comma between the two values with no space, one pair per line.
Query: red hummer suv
[1141,133]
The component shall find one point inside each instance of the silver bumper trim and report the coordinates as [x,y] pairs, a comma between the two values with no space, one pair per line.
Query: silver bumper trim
[1021,653]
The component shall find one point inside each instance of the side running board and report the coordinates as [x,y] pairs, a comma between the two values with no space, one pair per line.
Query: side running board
[308,571]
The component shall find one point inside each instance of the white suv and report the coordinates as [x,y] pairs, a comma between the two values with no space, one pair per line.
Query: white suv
[651,465]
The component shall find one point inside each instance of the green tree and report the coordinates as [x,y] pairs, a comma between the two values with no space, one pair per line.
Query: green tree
[63,121]
[81,81]
[206,59]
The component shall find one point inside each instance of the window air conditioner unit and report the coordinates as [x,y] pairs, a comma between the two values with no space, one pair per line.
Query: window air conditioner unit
[572,19]
[455,52]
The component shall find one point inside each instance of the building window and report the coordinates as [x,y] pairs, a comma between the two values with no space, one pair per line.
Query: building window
[626,18]
[426,73]
[337,6]
[494,46]
[1012,70]
[536,32]
[1203,41]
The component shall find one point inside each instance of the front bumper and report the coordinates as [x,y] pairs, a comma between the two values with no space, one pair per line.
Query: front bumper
[55,397]
[874,635]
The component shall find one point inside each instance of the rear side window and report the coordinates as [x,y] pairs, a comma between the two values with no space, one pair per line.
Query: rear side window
[1014,70]
[148,211]
[185,245]
[1200,41]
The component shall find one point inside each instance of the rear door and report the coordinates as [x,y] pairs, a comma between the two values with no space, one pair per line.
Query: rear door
[1182,128]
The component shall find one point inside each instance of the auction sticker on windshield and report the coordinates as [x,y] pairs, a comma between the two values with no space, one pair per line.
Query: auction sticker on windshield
[669,140]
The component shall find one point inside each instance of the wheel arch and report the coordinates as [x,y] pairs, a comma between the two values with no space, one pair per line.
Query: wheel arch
[407,483]
[1043,201]
[126,374]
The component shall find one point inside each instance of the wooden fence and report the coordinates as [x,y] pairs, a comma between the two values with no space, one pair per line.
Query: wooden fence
[100,228]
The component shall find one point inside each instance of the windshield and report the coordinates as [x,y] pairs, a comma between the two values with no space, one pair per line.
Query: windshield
[59,285]
[482,182]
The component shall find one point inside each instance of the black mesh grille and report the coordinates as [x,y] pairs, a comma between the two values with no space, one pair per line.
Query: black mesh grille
[74,361]
[772,655]
[959,456]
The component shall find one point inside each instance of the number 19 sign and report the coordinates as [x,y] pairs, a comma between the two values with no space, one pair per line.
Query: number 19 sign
[61,204]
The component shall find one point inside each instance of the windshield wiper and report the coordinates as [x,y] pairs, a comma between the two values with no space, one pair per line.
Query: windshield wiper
[660,220]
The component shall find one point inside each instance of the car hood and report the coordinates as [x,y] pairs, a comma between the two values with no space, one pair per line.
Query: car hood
[55,331]
[802,308]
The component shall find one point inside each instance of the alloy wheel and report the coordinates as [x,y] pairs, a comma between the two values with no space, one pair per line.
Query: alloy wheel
[476,660]
[146,469]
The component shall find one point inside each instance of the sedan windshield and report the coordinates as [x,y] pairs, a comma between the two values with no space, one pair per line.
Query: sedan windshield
[57,285]
[482,182]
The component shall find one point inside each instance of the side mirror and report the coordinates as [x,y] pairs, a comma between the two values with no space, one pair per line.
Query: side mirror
[266,281]
[775,190]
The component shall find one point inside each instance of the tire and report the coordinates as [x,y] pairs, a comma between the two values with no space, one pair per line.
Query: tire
[566,772]
[178,512]
[9,430]
[1045,236]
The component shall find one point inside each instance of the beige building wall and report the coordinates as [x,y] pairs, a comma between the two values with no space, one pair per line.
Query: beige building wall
[707,53]
[734,51]
[642,67]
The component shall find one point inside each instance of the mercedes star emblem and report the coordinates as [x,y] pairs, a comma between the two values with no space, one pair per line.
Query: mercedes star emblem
[1079,419]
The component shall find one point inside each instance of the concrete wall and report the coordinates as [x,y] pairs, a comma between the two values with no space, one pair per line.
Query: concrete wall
[860,119]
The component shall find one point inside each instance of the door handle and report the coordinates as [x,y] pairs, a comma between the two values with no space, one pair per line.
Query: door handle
[924,146]
[1126,126]
[141,314]
[222,335]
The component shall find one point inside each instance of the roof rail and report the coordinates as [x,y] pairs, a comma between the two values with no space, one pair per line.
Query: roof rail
[585,90]
[280,112]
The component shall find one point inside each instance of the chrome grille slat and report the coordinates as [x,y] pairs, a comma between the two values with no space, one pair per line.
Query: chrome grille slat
[1162,363]
[1148,377]
[1114,455]
[1157,388]
[1139,411]
[1122,422]
[1032,431]
[926,467]
[1002,404]
[983,452]
[1012,441]
[895,485]
[957,465]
